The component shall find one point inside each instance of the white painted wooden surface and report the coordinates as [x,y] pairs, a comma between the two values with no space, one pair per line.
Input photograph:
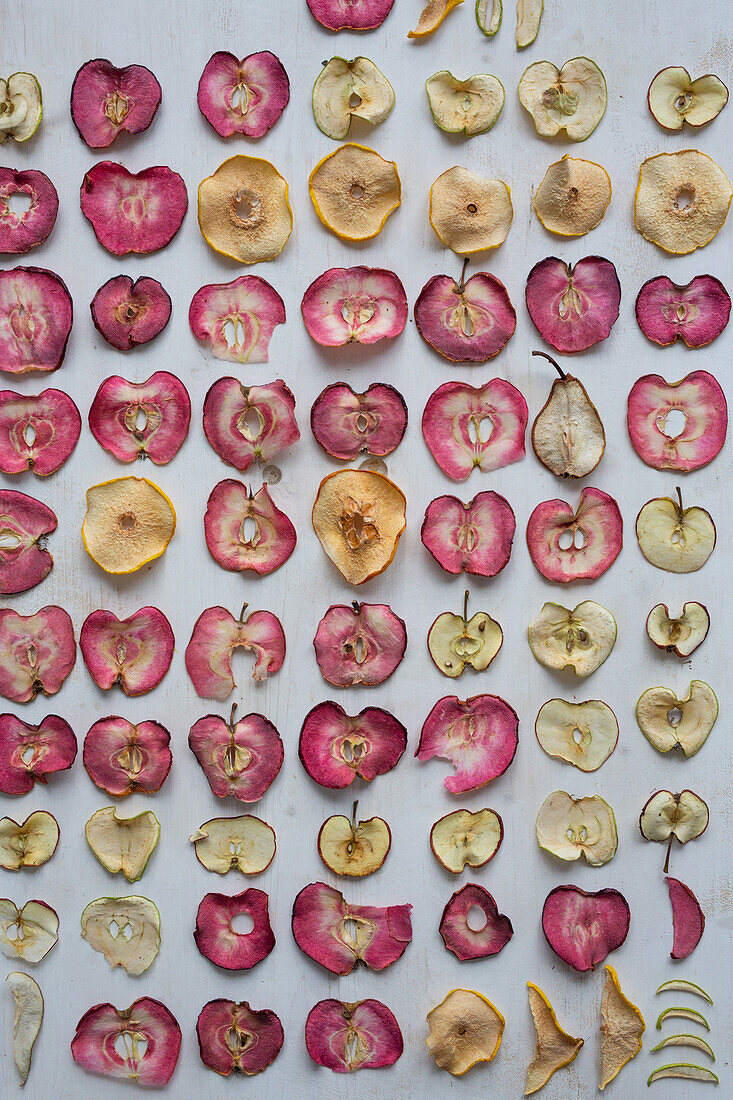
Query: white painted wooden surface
[631,41]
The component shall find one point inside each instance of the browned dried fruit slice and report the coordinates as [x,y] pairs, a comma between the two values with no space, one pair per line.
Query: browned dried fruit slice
[622,1026]
[573,196]
[244,211]
[682,200]
[354,191]
[359,516]
[354,848]
[129,523]
[555,1048]
[465,1029]
[469,213]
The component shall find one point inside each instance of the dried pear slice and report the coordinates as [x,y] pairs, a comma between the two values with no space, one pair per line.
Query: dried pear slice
[682,985]
[465,838]
[674,98]
[682,200]
[573,197]
[359,516]
[465,1029]
[684,1071]
[469,106]
[128,523]
[569,827]
[354,190]
[244,211]
[675,538]
[244,843]
[432,16]
[28,933]
[27,1020]
[21,107]
[582,734]
[685,1040]
[350,89]
[529,17]
[489,14]
[555,1047]
[354,848]
[469,213]
[678,1012]
[581,639]
[622,1026]
[30,843]
[125,930]
[572,99]
[669,722]
[568,435]
[123,843]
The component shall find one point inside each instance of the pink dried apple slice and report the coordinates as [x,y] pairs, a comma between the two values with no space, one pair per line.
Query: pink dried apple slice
[27,933]
[582,928]
[471,538]
[37,433]
[595,533]
[695,313]
[37,652]
[573,306]
[460,938]
[346,1036]
[700,398]
[338,935]
[237,318]
[150,1035]
[335,747]
[243,97]
[20,231]
[465,322]
[161,401]
[133,212]
[350,15]
[229,507]
[24,524]
[107,101]
[130,313]
[216,634]
[36,314]
[28,754]
[361,644]
[121,757]
[359,305]
[455,410]
[234,1038]
[478,736]
[217,940]
[248,424]
[240,759]
[688,919]
[134,653]
[346,423]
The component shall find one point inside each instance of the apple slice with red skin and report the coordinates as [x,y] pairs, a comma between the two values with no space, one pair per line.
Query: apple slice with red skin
[346,1036]
[359,305]
[52,423]
[121,758]
[229,411]
[94,1046]
[243,96]
[128,313]
[681,634]
[216,634]
[20,231]
[234,1038]
[666,815]
[335,747]
[36,315]
[362,644]
[248,306]
[350,15]
[240,759]
[455,408]
[597,521]
[467,321]
[163,402]
[24,524]
[133,212]
[473,538]
[339,935]
[688,919]
[696,313]
[465,942]
[107,101]
[573,306]
[582,927]
[217,940]
[37,652]
[134,653]
[700,398]
[346,423]
[28,754]
[229,505]
[478,736]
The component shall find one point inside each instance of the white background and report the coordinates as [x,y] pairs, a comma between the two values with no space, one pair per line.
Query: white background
[631,41]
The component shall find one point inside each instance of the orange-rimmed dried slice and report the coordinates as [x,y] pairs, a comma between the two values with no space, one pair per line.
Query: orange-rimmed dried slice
[354,191]
[573,196]
[622,1026]
[682,200]
[432,16]
[555,1048]
[128,523]
[359,516]
[465,1028]
[244,211]
[469,213]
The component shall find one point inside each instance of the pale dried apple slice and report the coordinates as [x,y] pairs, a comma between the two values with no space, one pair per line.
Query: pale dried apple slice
[455,641]
[25,524]
[147,1032]
[135,653]
[237,318]
[28,933]
[353,191]
[466,942]
[581,639]
[245,844]
[571,99]
[37,653]
[695,313]
[26,1021]
[570,827]
[465,838]
[361,644]
[666,816]
[568,435]
[573,197]
[147,419]
[217,939]
[696,1042]
[133,212]
[622,1026]
[701,401]
[554,1048]
[336,748]
[573,306]
[228,508]
[473,538]
[350,89]
[36,315]
[582,927]
[125,930]
[28,754]
[682,200]
[243,96]
[121,758]
[123,844]
[354,848]
[234,1038]
[129,313]
[674,98]
[682,985]
[469,213]
[22,230]
[567,545]
[215,636]
[466,426]
[669,722]
[582,734]
[358,517]
[359,305]
[21,107]
[684,1072]
[529,17]
[464,1030]
[107,101]
[675,538]
[478,737]
[244,211]
[681,635]
[346,1036]
[468,321]
[241,758]
[30,843]
[688,919]
[249,424]
[350,15]
[488,16]
[681,1012]
[346,423]
[469,106]
[432,16]
[37,433]
[129,522]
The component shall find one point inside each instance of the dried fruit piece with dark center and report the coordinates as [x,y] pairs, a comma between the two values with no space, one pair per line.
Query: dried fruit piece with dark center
[573,197]
[350,89]
[361,644]
[669,722]
[121,757]
[130,313]
[22,230]
[675,538]
[229,508]
[244,211]
[336,748]
[582,927]
[570,827]
[667,816]
[567,545]
[241,758]
[688,919]
[465,1029]
[568,436]
[572,98]
[354,848]
[359,516]
[28,933]
[123,844]
[582,734]
[27,1020]
[463,838]
[147,1032]
[125,930]
[249,424]
[244,843]
[473,538]
[682,200]
[350,15]
[133,212]
[354,190]
[28,754]
[581,639]
[695,313]
[129,522]
[573,306]
[674,98]
[359,305]
[346,423]
[700,400]
[466,426]
[37,652]
[466,942]
[681,635]
[24,524]
[20,107]
[37,433]
[234,1038]
[134,653]
[455,641]
[237,318]
[29,843]
[465,322]
[105,101]
[478,737]
[220,943]
[215,636]
[35,320]
[470,213]
[141,419]
[243,97]
[346,1036]
[554,1049]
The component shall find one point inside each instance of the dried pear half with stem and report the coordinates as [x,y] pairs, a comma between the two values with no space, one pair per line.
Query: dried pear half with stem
[568,435]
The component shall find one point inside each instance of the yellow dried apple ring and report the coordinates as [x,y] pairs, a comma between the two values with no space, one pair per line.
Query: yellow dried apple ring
[469,213]
[128,523]
[244,211]
[354,191]
[359,516]
[573,196]
[682,200]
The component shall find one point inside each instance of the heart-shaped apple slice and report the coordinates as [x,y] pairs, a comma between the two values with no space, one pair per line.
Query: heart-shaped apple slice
[581,639]
[141,419]
[235,1038]
[455,641]
[148,1033]
[699,398]
[249,424]
[359,516]
[570,827]
[217,939]
[244,843]
[471,538]
[238,758]
[107,101]
[583,927]
[128,314]
[28,754]
[37,433]
[467,321]
[669,722]
[243,95]
[354,848]
[463,838]
[466,426]
[35,320]
[336,748]
[460,938]
[133,211]
[27,933]
[29,843]
[359,305]
[135,652]
[567,545]
[573,306]
[266,548]
[237,318]
[478,737]
[24,524]
[125,930]
[215,636]
[582,734]
[696,313]
[675,538]
[361,644]
[346,423]
[37,652]
[121,757]
[666,816]
[681,635]
[123,844]
[346,1036]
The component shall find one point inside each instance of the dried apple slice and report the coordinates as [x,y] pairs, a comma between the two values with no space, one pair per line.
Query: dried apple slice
[688,919]
[234,1038]
[354,848]
[30,843]
[147,1032]
[455,641]
[694,1041]
[582,734]
[244,211]
[22,230]
[243,97]
[594,530]
[129,313]
[121,758]
[125,930]
[682,200]
[237,318]
[695,313]
[468,321]
[134,653]
[37,653]
[339,935]
[567,435]
[701,401]
[354,305]
[682,1013]
[123,844]
[350,89]
[28,754]
[681,635]
[358,517]
[473,538]
[570,827]
[460,938]
[466,426]
[675,538]
[346,423]
[669,722]
[128,524]
[432,16]
[241,758]
[27,1020]
[133,212]
[353,191]
[350,15]
[674,98]
[622,1026]
[554,1048]
[106,101]
[571,99]
[469,106]
[682,985]
[582,927]
[245,844]
[36,314]
[529,17]
[464,1030]
[581,639]
[161,402]
[336,748]
[21,107]
[249,424]
[667,816]
[463,838]
[469,213]
[361,644]
[685,1072]
[37,433]
[24,525]
[346,1036]
[478,737]
[573,306]
[217,939]
[215,636]
[28,933]
[488,16]
[229,507]
[573,197]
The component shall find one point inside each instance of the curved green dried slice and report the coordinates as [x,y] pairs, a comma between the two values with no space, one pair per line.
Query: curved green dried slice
[681,985]
[469,106]
[125,930]
[681,1012]
[685,1071]
[21,107]
[244,843]
[27,1021]
[529,17]
[685,1040]
[350,89]
[489,14]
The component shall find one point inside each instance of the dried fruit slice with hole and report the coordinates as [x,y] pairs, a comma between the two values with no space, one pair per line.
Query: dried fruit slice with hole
[571,99]
[339,936]
[129,313]
[336,748]
[28,754]
[215,636]
[570,827]
[688,919]
[147,419]
[121,758]
[358,517]
[360,644]
[694,1041]
[466,942]
[107,101]
[354,190]
[432,16]
[128,524]
[244,211]
[133,212]
[488,16]
[125,930]
[249,424]
[21,107]
[554,1048]
[456,419]
[135,653]
[26,1021]
[464,1029]
[354,305]
[350,15]
[123,844]
[478,737]
[573,196]
[346,423]
[218,940]
[669,722]
[567,435]
[666,815]
[24,525]
[469,106]
[465,322]
[683,1071]
[695,313]
[582,734]
[37,653]
[698,399]
[36,314]
[354,848]
[675,538]
[680,635]
[346,1036]
[674,98]
[24,229]
[455,641]
[682,200]
[30,843]
[237,318]
[684,986]
[234,1038]
[469,213]
[37,433]
[581,639]
[573,306]
[622,1026]
[350,89]
[465,838]
[241,758]
[567,545]
[582,927]
[231,511]
[147,1032]
[245,844]
[473,538]
[28,933]
[243,97]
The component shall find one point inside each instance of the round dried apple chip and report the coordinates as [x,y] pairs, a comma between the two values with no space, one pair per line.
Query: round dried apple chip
[669,722]
[682,634]
[228,538]
[698,399]
[675,538]
[219,941]
[354,191]
[674,98]
[580,639]
[25,523]
[475,426]
[237,318]
[466,838]
[238,758]
[121,758]
[359,516]
[36,314]
[107,101]
[466,942]
[570,827]
[682,200]
[469,213]
[354,848]
[582,734]
[28,933]
[128,523]
[350,89]
[346,423]
[474,538]
[244,211]
[244,843]
[37,433]
[583,927]
[465,1029]
[573,197]
[572,99]
[129,313]
[339,935]
[133,212]
[38,653]
[467,107]
[30,843]
[147,419]
[125,930]
[359,305]
[21,230]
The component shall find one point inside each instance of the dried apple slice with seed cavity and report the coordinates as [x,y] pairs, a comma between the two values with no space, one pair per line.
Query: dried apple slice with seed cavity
[134,653]
[28,754]
[249,424]
[358,517]
[107,101]
[688,919]
[123,844]
[667,816]
[244,211]
[354,190]
[350,89]
[581,639]
[465,1029]
[133,212]
[582,927]
[125,930]
[469,321]
[28,933]
[570,827]
[455,641]
[573,197]
[699,398]
[622,1026]
[234,1038]
[695,313]
[581,545]
[30,843]
[478,737]
[354,848]
[217,939]
[675,538]
[243,97]
[567,435]
[147,1032]
[554,1048]
[121,758]
[245,844]
[346,1036]
[466,426]
[361,644]
[22,230]
[432,16]
[129,313]
[669,722]
[37,652]
[346,423]
[128,523]
[24,525]
[215,636]
[682,200]
[473,538]
[36,314]
[37,433]
[460,938]
[573,306]
[350,15]
[229,508]
[469,213]
[354,305]
[572,99]
[336,748]
[27,1020]
[241,758]
[582,734]
[465,838]
[674,98]
[681,635]
[147,419]
[21,107]
[237,318]
[469,106]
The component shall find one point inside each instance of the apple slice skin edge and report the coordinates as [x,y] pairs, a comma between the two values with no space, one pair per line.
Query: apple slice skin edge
[688,918]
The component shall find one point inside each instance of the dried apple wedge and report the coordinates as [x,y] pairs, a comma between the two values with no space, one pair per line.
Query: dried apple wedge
[688,919]
[432,16]
[622,1026]
[554,1049]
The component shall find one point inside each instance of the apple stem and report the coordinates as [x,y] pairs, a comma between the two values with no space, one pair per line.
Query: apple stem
[549,359]
[353,813]
[462,284]
[679,498]
[231,716]
[356,606]
[241,613]
[465,605]
[669,849]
